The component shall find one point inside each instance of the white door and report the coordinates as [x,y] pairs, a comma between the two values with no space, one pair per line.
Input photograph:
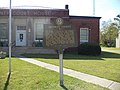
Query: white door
[21,38]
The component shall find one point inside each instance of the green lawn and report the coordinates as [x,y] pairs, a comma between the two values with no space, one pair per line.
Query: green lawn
[107,65]
[26,76]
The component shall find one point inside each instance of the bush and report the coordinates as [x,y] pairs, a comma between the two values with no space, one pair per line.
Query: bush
[71,50]
[37,44]
[2,54]
[89,49]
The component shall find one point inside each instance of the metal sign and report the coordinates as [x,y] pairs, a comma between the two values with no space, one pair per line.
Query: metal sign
[59,36]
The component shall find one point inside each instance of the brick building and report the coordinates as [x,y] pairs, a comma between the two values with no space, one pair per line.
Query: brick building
[28,28]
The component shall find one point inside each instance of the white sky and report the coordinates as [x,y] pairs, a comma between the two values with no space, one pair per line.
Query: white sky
[104,8]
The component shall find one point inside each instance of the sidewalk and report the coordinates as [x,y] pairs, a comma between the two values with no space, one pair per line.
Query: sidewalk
[113,51]
[82,76]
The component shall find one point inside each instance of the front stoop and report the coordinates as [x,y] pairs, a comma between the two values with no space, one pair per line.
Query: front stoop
[21,50]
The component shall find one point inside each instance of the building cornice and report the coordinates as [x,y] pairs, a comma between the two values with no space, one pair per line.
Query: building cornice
[36,12]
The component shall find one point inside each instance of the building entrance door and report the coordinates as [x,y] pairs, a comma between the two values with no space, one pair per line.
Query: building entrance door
[21,38]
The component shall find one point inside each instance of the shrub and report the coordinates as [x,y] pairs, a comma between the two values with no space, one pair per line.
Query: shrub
[89,49]
[71,50]
[37,44]
[2,54]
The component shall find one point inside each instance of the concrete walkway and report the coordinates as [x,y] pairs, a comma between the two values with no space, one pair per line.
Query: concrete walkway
[82,76]
[114,51]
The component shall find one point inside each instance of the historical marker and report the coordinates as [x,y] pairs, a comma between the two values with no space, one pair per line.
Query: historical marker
[59,36]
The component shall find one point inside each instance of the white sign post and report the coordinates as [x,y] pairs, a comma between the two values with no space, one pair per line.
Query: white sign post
[10,37]
[61,67]
[59,22]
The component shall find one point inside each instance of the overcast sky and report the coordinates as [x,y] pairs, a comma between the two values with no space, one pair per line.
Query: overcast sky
[103,8]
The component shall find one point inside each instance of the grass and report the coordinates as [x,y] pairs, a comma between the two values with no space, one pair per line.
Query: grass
[107,65]
[26,76]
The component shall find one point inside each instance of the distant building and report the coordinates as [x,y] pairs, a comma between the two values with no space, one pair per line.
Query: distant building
[118,38]
[28,27]
[118,41]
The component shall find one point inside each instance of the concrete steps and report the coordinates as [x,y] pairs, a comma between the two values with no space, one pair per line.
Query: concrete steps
[5,49]
[21,50]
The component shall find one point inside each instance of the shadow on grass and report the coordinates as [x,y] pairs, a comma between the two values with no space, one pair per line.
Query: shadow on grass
[75,56]
[7,82]
[105,54]
[65,56]
[64,87]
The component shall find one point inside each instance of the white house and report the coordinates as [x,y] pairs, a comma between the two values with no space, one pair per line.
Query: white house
[118,40]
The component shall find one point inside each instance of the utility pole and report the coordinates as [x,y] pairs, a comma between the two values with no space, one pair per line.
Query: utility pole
[10,37]
[93,7]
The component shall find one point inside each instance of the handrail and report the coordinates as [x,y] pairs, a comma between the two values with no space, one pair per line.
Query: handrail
[13,44]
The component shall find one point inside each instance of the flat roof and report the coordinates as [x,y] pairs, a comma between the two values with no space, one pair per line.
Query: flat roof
[85,17]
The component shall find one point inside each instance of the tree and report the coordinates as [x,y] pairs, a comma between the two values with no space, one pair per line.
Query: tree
[108,34]
[117,24]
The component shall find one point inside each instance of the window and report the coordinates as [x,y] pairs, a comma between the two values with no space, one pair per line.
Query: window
[39,31]
[39,35]
[3,32]
[84,35]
